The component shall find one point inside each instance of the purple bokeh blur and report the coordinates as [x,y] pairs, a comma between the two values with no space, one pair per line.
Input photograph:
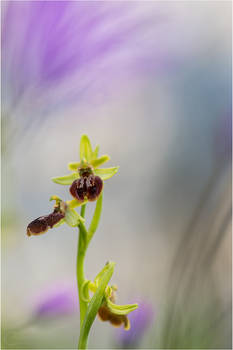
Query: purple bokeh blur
[151,83]
[67,46]
[57,300]
[83,50]
[140,320]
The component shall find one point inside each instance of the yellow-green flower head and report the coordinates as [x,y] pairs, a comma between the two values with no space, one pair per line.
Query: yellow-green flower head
[87,178]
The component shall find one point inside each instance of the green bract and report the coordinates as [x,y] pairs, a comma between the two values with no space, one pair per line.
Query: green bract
[88,157]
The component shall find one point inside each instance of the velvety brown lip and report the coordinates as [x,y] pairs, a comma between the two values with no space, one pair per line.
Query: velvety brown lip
[89,187]
[43,223]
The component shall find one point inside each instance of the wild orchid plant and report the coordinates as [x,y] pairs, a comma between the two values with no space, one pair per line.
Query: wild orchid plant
[86,185]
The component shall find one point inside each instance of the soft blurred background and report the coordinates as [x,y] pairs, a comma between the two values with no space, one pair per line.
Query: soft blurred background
[151,83]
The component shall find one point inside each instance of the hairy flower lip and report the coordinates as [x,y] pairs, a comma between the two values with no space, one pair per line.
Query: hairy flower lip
[45,222]
[87,187]
[38,226]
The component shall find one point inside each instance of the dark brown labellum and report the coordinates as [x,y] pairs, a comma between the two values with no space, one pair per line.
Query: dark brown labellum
[87,187]
[43,223]
[38,226]
[54,218]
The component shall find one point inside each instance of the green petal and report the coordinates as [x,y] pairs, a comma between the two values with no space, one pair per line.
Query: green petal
[121,309]
[99,161]
[95,152]
[85,148]
[85,291]
[72,218]
[73,166]
[66,180]
[55,198]
[75,203]
[106,173]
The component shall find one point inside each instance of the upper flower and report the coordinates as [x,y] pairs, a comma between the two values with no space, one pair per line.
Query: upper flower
[86,178]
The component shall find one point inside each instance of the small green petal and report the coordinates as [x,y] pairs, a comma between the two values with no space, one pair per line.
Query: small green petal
[121,309]
[72,218]
[85,148]
[85,291]
[95,152]
[99,161]
[75,203]
[55,198]
[66,180]
[61,222]
[106,173]
[73,166]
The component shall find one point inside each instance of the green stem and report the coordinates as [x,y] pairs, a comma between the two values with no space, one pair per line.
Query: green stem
[83,210]
[83,242]
[80,266]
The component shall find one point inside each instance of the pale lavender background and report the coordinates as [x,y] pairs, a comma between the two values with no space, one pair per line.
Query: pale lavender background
[156,97]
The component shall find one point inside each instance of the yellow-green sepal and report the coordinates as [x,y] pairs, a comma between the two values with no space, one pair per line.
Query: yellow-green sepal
[85,149]
[106,173]
[96,162]
[75,203]
[95,152]
[66,179]
[120,309]
[73,166]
